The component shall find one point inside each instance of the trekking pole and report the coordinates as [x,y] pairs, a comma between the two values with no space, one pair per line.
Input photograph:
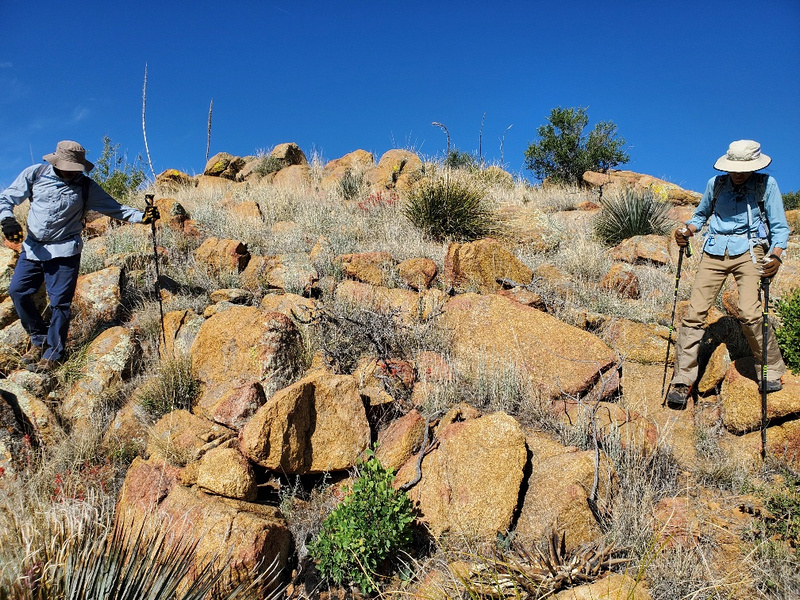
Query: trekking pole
[681,250]
[764,334]
[148,199]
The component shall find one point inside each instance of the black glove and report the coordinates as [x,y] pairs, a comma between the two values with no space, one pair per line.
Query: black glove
[12,230]
[151,215]
[682,236]
[770,265]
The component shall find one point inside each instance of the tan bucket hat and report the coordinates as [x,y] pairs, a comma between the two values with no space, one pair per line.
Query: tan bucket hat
[69,156]
[744,156]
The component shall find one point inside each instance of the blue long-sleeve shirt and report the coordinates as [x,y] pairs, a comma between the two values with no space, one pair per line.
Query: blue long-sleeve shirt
[729,227]
[55,218]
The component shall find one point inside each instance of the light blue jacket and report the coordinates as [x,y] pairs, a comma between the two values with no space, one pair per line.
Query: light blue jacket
[55,218]
[729,228]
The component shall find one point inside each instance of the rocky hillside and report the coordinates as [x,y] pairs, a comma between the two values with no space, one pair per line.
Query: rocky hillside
[512,382]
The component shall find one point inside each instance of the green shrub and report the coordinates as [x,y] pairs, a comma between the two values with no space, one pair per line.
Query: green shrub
[449,208]
[788,333]
[268,165]
[370,527]
[791,200]
[456,159]
[629,213]
[114,174]
[562,153]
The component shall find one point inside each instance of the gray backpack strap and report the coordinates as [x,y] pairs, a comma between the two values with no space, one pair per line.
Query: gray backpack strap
[36,175]
[719,183]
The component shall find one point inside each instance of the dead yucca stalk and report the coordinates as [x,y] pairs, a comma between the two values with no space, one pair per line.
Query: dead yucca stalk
[540,573]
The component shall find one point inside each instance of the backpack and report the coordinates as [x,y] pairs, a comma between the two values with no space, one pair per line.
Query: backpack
[761,193]
[86,183]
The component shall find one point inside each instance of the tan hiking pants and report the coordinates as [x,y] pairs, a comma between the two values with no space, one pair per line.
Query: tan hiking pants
[711,275]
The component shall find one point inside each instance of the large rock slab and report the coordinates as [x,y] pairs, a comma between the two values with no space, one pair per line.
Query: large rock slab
[222,256]
[408,306]
[31,413]
[180,330]
[643,249]
[98,297]
[397,169]
[557,497]
[644,343]
[481,266]
[316,425]
[614,180]
[470,483]
[108,363]
[741,398]
[248,535]
[180,437]
[8,260]
[242,345]
[492,333]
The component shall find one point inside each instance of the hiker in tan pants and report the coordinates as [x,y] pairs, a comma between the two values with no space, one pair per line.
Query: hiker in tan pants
[747,233]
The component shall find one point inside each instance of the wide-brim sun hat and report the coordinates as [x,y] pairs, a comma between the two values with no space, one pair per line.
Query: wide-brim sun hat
[69,156]
[743,156]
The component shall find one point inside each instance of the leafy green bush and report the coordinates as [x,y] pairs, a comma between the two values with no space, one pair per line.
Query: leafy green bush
[114,174]
[563,153]
[788,333]
[631,212]
[456,159]
[449,208]
[791,200]
[361,536]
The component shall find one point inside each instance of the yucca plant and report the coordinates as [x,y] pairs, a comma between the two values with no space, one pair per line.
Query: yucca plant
[631,212]
[141,563]
[451,208]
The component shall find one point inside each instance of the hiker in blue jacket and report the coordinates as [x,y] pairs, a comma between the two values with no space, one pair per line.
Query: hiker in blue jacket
[60,193]
[747,233]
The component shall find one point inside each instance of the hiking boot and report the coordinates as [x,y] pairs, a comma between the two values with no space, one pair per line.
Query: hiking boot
[678,396]
[32,356]
[42,367]
[774,385]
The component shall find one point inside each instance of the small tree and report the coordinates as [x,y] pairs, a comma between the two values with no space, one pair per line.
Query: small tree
[563,153]
[113,172]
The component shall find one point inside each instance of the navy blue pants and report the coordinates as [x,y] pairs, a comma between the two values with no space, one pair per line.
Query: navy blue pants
[60,276]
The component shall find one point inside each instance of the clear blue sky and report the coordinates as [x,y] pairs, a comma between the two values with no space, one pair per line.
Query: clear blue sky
[680,79]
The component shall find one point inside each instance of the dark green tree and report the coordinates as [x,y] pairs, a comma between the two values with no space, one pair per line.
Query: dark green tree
[563,153]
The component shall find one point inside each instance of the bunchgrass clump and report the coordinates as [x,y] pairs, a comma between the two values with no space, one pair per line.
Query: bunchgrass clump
[362,536]
[629,213]
[174,386]
[451,208]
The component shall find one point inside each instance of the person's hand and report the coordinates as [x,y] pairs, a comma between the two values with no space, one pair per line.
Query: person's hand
[770,265]
[682,236]
[151,215]
[12,230]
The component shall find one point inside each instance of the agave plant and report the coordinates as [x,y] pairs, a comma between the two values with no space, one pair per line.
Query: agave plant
[631,212]
[141,563]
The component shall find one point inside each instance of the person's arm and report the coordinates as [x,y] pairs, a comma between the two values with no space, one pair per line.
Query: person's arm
[100,201]
[16,193]
[703,211]
[776,218]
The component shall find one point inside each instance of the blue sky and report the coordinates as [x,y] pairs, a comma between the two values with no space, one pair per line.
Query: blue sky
[680,79]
